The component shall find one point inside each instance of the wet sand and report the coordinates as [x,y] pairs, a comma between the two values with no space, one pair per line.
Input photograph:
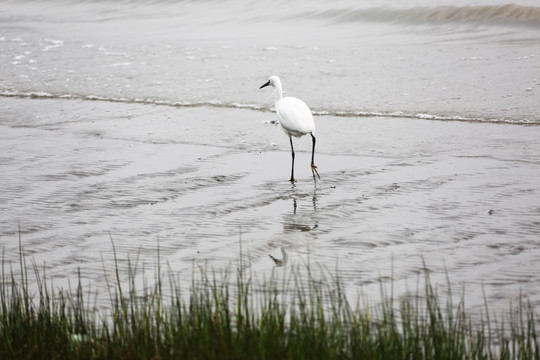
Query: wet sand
[463,197]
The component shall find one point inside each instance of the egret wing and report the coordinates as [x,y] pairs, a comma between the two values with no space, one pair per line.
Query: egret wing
[295,116]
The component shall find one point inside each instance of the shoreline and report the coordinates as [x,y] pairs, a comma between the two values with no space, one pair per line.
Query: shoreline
[268,108]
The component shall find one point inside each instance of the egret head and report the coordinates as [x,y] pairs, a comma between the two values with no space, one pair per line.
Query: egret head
[272,81]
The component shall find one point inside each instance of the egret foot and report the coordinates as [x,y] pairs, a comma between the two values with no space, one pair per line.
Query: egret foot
[314,171]
[293,180]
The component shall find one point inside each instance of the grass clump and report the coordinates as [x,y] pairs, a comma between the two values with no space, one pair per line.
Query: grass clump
[224,318]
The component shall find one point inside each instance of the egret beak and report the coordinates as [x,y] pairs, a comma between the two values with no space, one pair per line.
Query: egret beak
[265,84]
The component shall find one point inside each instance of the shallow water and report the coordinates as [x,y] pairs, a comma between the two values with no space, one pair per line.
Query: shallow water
[142,122]
[202,179]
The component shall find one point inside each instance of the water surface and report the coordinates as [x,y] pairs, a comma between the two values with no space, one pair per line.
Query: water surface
[142,122]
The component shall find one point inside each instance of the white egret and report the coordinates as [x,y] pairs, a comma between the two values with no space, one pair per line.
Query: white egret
[295,118]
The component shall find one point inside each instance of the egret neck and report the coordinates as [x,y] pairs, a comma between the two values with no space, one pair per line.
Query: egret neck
[278,93]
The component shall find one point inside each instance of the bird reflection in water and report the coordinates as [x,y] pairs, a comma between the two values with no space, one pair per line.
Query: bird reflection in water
[303,222]
[283,261]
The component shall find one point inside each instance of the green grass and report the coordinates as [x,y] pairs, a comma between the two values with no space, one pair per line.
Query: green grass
[233,316]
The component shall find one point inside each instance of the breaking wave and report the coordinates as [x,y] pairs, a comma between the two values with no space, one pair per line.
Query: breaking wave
[509,14]
[236,105]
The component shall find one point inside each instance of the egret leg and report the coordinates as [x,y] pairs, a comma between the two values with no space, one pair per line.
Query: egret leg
[313,167]
[292,154]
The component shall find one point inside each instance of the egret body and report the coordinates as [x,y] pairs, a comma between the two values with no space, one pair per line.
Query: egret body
[295,118]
